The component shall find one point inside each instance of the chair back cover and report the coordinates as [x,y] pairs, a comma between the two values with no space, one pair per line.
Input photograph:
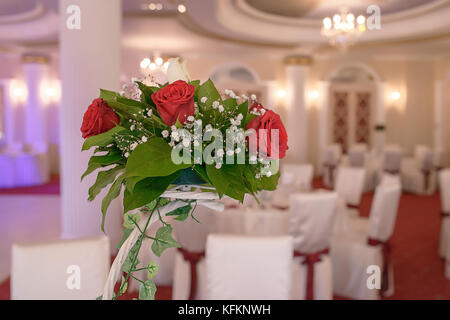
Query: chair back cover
[383,212]
[357,155]
[438,158]
[350,184]
[297,176]
[389,179]
[311,220]
[392,159]
[50,271]
[333,153]
[444,184]
[424,158]
[248,268]
[192,234]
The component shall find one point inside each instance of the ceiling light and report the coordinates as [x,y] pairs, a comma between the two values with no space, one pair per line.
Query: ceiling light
[145,63]
[181,8]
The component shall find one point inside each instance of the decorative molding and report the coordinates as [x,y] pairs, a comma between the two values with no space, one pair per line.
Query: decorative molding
[298,60]
[35,58]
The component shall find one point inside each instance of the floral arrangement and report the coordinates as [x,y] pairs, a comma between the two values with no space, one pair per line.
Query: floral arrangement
[182,133]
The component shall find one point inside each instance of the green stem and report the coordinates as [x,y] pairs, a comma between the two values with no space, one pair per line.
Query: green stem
[141,237]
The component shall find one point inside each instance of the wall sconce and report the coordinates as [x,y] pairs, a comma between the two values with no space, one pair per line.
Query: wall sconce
[395,96]
[281,93]
[50,92]
[314,95]
[18,91]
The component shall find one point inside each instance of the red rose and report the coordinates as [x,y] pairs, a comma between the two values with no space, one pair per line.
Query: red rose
[175,101]
[269,121]
[98,118]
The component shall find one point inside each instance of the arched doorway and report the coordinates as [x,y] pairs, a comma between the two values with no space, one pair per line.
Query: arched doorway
[353,107]
[240,78]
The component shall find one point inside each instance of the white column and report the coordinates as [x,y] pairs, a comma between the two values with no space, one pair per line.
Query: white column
[90,60]
[8,114]
[324,96]
[297,68]
[439,99]
[35,70]
[380,117]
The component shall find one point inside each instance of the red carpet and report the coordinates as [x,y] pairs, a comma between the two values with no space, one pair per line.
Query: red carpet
[52,187]
[418,270]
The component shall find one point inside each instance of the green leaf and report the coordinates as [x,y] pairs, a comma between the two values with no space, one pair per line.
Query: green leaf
[111,95]
[99,298]
[147,290]
[152,269]
[105,160]
[181,213]
[152,159]
[243,109]
[228,180]
[147,190]
[113,193]
[104,178]
[131,182]
[123,286]
[131,261]
[147,92]
[270,183]
[103,139]
[130,220]
[201,170]
[164,240]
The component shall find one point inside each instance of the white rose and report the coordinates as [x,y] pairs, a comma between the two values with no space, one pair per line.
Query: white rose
[177,71]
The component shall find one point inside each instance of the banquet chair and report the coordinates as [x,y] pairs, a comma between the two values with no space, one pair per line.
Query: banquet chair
[311,225]
[444,241]
[248,268]
[294,178]
[189,281]
[365,248]
[417,172]
[350,185]
[359,157]
[61,270]
[297,176]
[331,158]
[392,159]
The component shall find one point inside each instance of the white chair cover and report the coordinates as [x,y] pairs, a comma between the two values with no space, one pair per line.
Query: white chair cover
[331,157]
[248,268]
[49,271]
[418,172]
[357,155]
[297,176]
[392,159]
[350,184]
[444,242]
[312,217]
[352,255]
[192,236]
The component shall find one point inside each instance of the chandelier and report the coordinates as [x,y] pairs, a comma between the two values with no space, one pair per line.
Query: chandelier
[343,29]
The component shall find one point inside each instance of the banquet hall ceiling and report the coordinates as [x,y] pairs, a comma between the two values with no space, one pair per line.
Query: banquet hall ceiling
[279,25]
[317,9]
